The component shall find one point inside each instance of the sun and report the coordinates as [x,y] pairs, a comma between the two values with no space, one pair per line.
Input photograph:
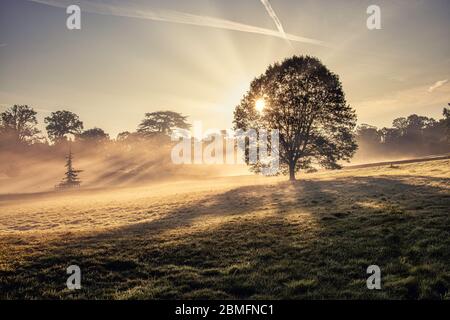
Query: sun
[260,105]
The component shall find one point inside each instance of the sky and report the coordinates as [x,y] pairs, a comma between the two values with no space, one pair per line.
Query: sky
[198,57]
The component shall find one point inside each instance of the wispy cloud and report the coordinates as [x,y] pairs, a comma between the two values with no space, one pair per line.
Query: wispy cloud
[3,45]
[274,17]
[176,17]
[437,84]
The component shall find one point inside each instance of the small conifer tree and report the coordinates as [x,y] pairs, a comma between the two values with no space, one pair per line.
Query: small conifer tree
[71,179]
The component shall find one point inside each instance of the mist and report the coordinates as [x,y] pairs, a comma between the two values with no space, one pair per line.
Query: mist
[109,164]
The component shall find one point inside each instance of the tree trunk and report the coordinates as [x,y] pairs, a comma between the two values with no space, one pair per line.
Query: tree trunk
[292,171]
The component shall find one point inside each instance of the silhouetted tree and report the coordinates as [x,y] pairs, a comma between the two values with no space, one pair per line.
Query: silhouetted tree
[368,134]
[18,124]
[62,123]
[71,176]
[306,103]
[415,127]
[400,124]
[446,120]
[93,135]
[162,123]
[446,113]
[412,136]
[390,135]
[122,136]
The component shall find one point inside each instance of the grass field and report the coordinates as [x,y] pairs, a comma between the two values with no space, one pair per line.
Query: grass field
[236,237]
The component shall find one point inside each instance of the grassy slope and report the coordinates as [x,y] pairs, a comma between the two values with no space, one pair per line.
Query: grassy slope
[238,238]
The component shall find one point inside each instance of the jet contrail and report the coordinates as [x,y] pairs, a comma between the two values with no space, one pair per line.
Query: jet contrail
[274,17]
[177,17]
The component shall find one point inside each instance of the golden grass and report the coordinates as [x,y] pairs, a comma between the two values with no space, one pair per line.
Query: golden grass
[236,237]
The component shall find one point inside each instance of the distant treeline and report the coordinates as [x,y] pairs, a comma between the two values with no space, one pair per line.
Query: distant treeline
[31,160]
[139,154]
[409,136]
[18,129]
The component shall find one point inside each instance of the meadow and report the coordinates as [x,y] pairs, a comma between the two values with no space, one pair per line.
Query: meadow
[243,237]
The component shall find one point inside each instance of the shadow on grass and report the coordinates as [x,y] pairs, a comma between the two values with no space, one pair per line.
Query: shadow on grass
[309,239]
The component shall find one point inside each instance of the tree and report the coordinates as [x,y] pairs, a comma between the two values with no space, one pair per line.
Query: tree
[306,103]
[122,136]
[62,123]
[162,123]
[446,121]
[71,176]
[390,136]
[368,133]
[19,123]
[446,113]
[400,124]
[95,135]
[416,123]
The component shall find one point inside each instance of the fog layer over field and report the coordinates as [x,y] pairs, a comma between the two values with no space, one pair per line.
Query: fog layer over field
[38,168]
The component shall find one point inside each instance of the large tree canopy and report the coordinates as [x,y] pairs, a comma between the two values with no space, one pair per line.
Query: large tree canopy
[306,103]
[162,122]
[19,123]
[62,123]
